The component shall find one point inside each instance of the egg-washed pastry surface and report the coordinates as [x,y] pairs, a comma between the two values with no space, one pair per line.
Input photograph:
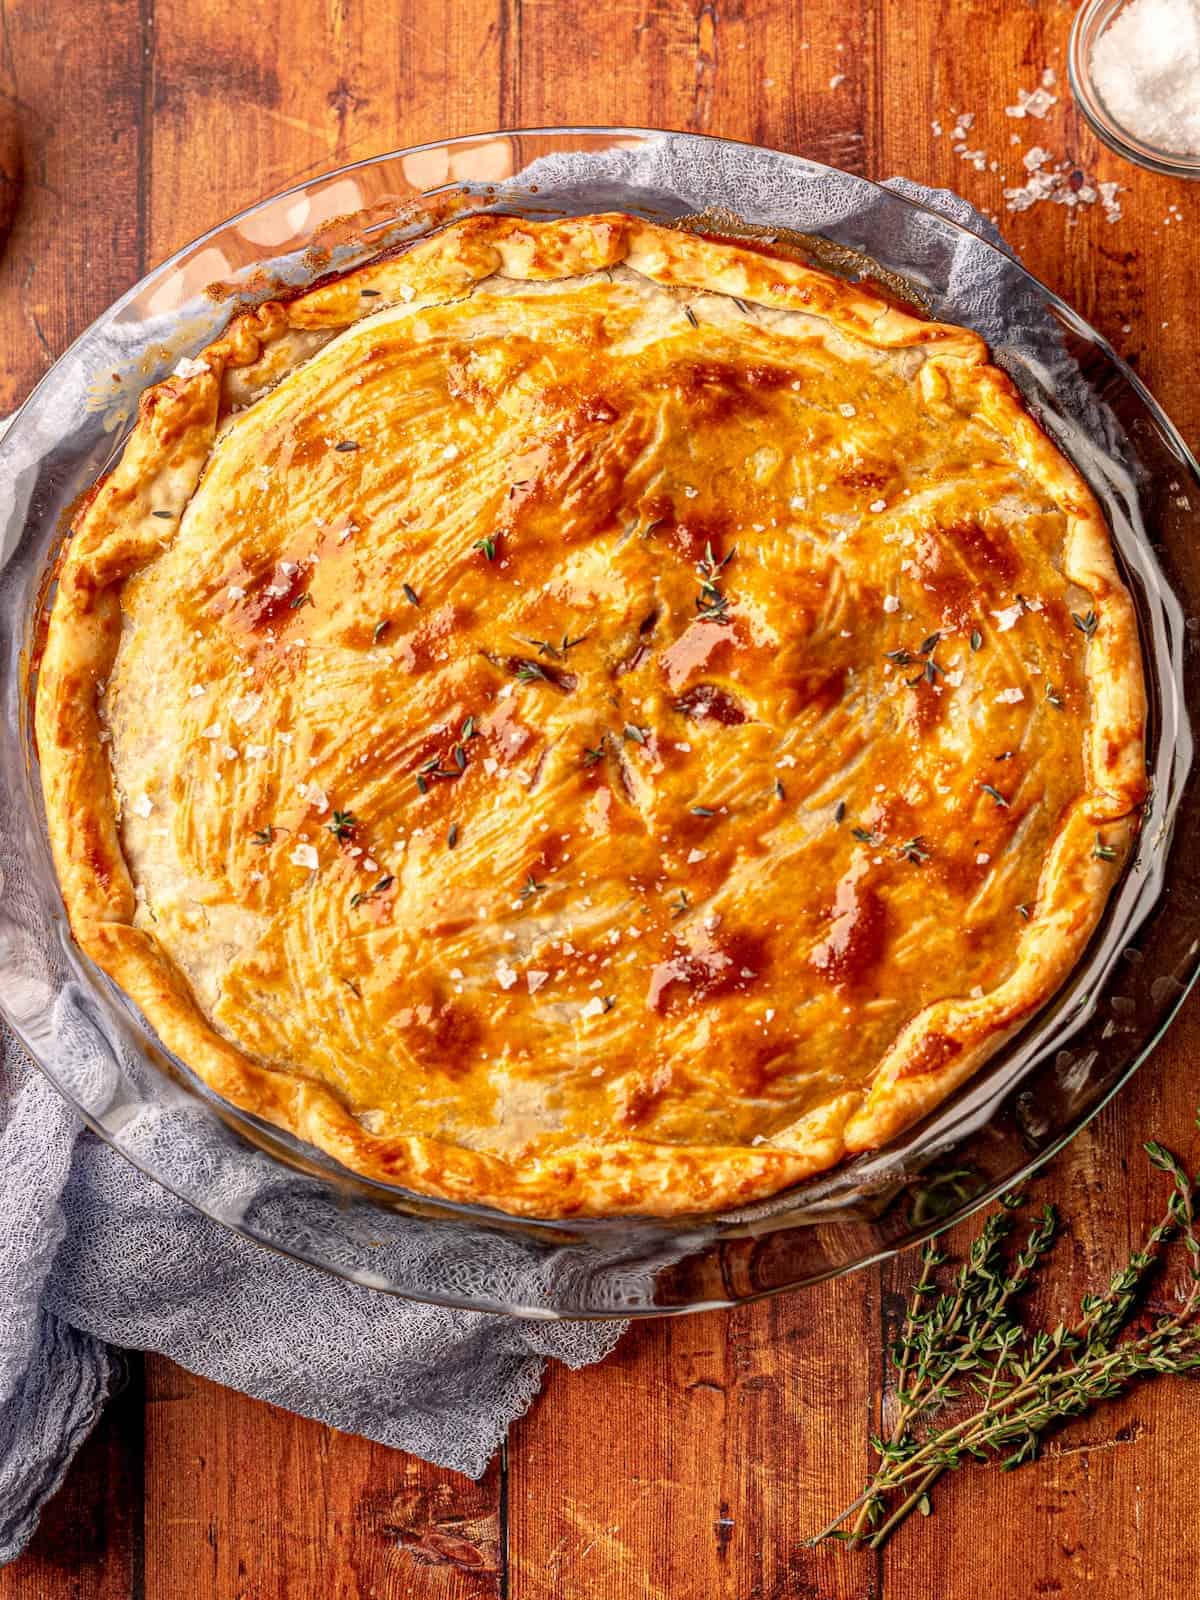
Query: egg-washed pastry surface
[588,718]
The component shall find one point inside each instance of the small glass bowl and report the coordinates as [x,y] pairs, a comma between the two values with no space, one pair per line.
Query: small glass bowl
[1092,18]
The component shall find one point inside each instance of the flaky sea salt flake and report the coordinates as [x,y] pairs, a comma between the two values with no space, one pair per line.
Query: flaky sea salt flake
[1031,103]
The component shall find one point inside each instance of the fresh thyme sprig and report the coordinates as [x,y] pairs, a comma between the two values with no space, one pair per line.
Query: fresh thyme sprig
[967,1340]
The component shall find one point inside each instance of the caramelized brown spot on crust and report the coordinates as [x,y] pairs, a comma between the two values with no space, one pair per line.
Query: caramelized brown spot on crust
[720,390]
[691,534]
[639,1095]
[857,934]
[935,1050]
[728,966]
[701,645]
[858,477]
[261,610]
[551,852]
[597,409]
[443,1041]
[816,690]
[94,850]
[708,702]
[985,553]
[956,564]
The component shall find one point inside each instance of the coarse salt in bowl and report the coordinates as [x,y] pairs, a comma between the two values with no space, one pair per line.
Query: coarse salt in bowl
[1134,67]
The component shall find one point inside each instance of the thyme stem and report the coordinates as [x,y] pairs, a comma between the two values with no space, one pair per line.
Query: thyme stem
[1024,1383]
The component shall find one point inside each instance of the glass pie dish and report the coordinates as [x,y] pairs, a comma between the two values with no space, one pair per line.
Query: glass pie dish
[1029,1099]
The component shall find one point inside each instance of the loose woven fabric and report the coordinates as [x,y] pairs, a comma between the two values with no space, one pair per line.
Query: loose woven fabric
[95,1257]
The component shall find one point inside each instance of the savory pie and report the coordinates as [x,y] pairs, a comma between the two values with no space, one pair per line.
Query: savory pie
[588,718]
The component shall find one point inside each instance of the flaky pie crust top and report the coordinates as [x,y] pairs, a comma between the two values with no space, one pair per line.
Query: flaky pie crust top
[587,718]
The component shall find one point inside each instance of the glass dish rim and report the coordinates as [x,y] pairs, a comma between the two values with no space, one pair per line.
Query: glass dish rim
[1164,423]
[618,130]
[1088,23]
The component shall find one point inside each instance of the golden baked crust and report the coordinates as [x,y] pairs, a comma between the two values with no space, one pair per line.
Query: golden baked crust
[586,718]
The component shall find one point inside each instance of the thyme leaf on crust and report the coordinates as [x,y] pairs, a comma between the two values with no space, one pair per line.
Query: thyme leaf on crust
[410,594]
[455,764]
[995,794]
[712,603]
[263,835]
[680,904]
[346,445]
[976,639]
[1087,624]
[914,850]
[545,648]
[343,824]
[1102,851]
[378,631]
[531,887]
[486,547]
[363,895]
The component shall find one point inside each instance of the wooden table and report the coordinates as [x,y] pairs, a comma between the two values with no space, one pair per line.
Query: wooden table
[696,1459]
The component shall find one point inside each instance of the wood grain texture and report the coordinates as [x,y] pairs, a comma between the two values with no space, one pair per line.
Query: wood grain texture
[695,1460]
[69,178]
[318,1513]
[88,1545]
[709,1445]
